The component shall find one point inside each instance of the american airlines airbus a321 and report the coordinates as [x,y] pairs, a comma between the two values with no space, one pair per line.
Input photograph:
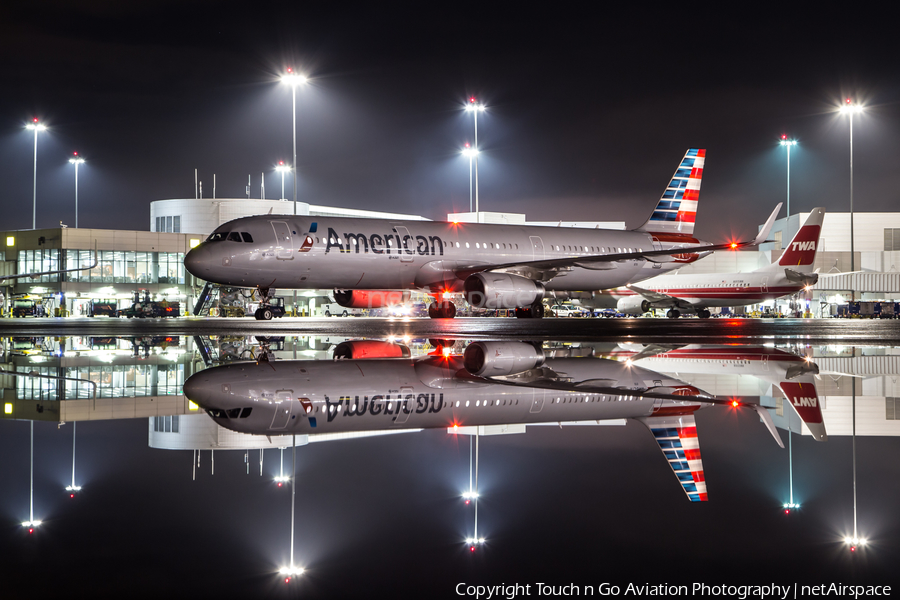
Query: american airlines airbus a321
[371,262]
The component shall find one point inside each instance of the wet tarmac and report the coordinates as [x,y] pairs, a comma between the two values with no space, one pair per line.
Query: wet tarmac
[819,331]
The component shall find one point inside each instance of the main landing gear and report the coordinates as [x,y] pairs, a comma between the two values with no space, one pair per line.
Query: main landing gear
[535,311]
[673,314]
[703,313]
[266,311]
[442,310]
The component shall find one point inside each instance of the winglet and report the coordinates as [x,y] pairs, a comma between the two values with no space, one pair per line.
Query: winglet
[764,232]
[677,438]
[766,418]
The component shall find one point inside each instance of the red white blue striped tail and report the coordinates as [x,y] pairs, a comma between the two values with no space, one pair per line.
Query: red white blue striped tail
[677,208]
[677,438]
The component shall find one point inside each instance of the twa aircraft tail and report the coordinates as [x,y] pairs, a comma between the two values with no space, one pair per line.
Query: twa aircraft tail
[800,253]
[802,395]
[676,210]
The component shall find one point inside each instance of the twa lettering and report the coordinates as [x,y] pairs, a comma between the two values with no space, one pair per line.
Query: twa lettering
[798,401]
[803,246]
[389,243]
[383,405]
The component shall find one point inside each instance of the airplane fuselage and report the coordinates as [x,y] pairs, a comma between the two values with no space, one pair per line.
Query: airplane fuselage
[373,254]
[306,397]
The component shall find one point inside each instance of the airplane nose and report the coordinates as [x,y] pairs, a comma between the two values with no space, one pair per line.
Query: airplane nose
[196,261]
[195,390]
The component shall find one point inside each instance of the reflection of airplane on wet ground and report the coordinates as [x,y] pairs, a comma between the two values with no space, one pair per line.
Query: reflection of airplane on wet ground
[793,375]
[367,261]
[495,383]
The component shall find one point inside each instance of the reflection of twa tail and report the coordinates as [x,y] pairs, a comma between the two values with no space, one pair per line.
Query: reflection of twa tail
[677,207]
[802,395]
[677,438]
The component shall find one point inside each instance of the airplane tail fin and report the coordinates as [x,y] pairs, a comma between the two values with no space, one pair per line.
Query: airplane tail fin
[799,255]
[677,438]
[802,395]
[677,207]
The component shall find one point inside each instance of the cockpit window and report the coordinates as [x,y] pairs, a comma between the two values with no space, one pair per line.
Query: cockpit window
[234,236]
[246,412]
[233,413]
[247,237]
[217,236]
[216,413]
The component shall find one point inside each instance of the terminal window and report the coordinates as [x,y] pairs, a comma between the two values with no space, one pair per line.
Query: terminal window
[166,424]
[168,224]
[892,409]
[891,239]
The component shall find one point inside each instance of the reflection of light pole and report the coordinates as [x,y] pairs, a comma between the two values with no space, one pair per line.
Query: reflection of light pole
[470,153]
[291,570]
[280,479]
[787,144]
[31,523]
[851,109]
[36,126]
[282,168]
[73,488]
[790,505]
[475,108]
[76,160]
[472,541]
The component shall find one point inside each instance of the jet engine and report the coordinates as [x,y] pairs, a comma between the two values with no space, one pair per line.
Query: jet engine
[633,305]
[501,290]
[490,359]
[357,349]
[370,298]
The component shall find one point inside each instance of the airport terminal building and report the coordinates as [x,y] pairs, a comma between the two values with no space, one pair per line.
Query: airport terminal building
[151,262]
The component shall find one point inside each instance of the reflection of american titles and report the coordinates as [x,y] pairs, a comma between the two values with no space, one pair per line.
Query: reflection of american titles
[384,404]
[383,244]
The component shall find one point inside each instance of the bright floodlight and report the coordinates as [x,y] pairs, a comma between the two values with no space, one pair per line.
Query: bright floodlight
[788,142]
[470,152]
[282,168]
[471,540]
[73,488]
[470,495]
[35,124]
[293,78]
[849,107]
[31,523]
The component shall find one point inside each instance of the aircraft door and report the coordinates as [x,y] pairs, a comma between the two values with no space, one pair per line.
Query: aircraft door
[537,401]
[764,285]
[537,248]
[406,406]
[283,407]
[284,242]
[407,247]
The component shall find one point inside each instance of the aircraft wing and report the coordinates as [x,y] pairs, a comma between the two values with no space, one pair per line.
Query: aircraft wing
[660,300]
[676,436]
[546,269]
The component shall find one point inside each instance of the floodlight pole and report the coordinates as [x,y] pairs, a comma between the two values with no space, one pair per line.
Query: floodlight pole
[73,448]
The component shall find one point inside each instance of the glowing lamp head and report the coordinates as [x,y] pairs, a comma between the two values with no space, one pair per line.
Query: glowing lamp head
[734,245]
[735,403]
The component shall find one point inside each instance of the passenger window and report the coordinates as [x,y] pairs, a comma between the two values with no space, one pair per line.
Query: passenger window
[247,237]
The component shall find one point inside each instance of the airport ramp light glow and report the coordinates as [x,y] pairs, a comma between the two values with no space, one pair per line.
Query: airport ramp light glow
[855,542]
[290,572]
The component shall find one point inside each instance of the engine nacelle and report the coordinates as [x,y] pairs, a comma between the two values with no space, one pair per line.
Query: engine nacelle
[359,349]
[501,290]
[633,305]
[490,359]
[370,298]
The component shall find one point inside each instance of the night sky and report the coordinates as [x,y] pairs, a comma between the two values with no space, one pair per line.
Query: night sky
[589,110]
